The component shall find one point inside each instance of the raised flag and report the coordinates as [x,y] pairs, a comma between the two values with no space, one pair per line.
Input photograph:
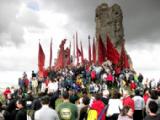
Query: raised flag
[69,55]
[50,59]
[101,51]
[123,58]
[41,61]
[60,59]
[111,52]
[89,50]
[74,54]
[78,52]
[94,51]
[82,57]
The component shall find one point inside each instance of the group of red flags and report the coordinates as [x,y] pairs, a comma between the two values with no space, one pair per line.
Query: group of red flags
[103,51]
[111,53]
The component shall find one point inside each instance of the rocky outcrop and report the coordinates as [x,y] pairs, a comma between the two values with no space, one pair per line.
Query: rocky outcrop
[110,20]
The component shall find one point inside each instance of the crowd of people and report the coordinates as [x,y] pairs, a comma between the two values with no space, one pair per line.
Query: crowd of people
[82,92]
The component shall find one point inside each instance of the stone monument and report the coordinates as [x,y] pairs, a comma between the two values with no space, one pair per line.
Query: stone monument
[110,20]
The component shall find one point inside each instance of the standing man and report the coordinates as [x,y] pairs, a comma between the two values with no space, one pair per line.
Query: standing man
[46,113]
[67,110]
[34,85]
[152,111]
[22,113]
[139,106]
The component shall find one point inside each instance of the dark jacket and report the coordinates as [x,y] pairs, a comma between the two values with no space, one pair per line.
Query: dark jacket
[21,115]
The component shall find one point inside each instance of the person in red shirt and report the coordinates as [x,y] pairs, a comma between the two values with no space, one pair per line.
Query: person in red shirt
[146,95]
[26,83]
[93,75]
[110,79]
[98,105]
[6,92]
[133,85]
[127,100]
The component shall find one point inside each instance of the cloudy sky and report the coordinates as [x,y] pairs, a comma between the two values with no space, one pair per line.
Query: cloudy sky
[24,22]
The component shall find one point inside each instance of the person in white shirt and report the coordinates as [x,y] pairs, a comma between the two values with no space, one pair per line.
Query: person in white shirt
[114,106]
[139,106]
[52,86]
[43,87]
[46,113]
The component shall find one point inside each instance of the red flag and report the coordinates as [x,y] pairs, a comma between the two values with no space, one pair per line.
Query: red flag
[41,60]
[60,59]
[123,59]
[112,53]
[89,50]
[60,63]
[74,55]
[77,48]
[94,51]
[101,51]
[78,52]
[50,60]
[82,58]
[69,55]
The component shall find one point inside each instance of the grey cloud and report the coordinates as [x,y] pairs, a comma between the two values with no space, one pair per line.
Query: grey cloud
[29,19]
[14,33]
[141,20]
[81,16]
[8,27]
[12,26]
[141,17]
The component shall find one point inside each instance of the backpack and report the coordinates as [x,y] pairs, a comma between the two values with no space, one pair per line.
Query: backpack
[92,114]
[103,112]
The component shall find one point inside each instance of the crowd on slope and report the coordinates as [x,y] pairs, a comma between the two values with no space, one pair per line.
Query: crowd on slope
[82,92]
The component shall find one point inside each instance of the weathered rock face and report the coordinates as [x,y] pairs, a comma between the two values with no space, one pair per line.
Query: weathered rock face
[109,20]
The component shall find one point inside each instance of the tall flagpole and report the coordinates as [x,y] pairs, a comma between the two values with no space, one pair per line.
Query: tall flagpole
[50,60]
[77,54]
[74,54]
[82,57]
[89,49]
